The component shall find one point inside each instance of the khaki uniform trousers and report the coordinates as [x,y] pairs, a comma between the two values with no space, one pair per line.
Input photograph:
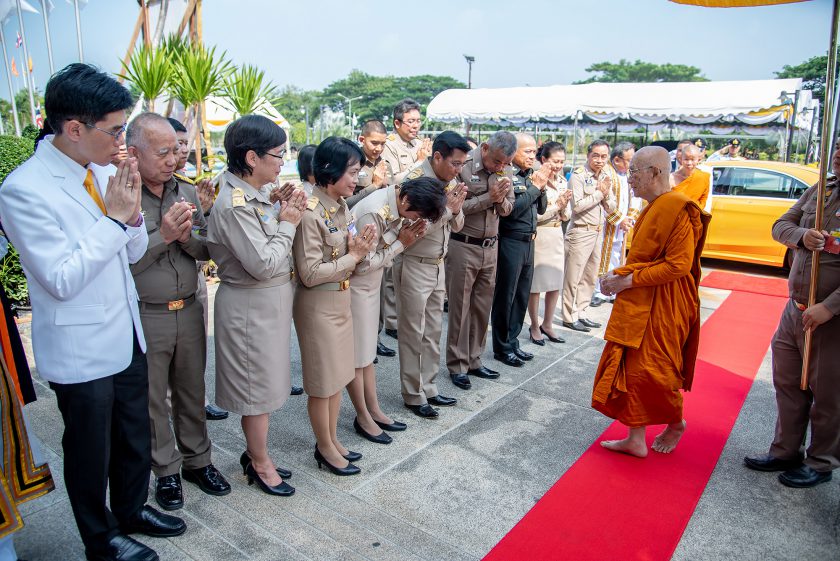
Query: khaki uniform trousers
[419,287]
[470,280]
[176,351]
[820,405]
[387,301]
[583,255]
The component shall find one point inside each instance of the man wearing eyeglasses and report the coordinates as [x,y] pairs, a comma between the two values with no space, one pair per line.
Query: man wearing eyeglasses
[76,222]
[403,148]
[592,201]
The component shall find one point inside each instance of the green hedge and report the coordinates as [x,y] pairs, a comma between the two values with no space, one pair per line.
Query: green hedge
[13,152]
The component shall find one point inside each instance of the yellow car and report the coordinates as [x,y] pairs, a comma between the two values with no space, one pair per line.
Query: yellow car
[747,197]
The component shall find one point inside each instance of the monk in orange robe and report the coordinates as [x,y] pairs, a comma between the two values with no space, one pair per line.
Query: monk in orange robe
[690,181]
[653,332]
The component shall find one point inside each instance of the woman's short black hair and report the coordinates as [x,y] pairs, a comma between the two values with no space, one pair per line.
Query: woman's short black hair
[84,93]
[176,124]
[332,158]
[426,196]
[549,148]
[449,141]
[251,132]
[305,155]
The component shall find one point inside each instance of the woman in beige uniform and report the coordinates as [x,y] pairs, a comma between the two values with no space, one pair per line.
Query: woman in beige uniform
[549,246]
[250,240]
[327,249]
[417,201]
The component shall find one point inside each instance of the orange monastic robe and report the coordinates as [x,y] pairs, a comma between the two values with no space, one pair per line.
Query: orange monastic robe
[653,332]
[695,187]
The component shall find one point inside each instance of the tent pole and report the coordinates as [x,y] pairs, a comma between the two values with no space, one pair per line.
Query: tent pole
[826,141]
[574,140]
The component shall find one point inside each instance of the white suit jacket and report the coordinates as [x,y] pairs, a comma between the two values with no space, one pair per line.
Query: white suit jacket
[84,303]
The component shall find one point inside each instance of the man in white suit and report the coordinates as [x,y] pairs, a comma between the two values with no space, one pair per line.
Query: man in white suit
[76,222]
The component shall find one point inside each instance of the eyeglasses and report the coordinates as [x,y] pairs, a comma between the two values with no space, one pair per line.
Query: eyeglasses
[279,157]
[632,171]
[412,121]
[116,134]
[457,165]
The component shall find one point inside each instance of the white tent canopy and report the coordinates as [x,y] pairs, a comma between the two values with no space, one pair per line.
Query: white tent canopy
[220,114]
[749,102]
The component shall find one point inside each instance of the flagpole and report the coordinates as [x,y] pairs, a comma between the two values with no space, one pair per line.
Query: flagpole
[78,30]
[29,82]
[47,35]
[9,78]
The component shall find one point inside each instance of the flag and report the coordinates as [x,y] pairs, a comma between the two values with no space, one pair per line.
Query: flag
[39,119]
[7,7]
[30,64]
[19,41]
[14,68]
[82,3]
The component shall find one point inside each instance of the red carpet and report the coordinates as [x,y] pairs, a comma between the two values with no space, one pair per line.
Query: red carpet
[608,506]
[746,283]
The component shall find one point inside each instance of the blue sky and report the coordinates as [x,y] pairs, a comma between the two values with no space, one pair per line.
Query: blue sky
[537,42]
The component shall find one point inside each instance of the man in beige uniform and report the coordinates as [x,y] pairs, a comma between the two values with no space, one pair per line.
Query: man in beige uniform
[375,174]
[403,149]
[592,201]
[419,282]
[472,257]
[172,320]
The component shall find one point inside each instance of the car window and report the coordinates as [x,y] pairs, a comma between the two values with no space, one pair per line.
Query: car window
[750,182]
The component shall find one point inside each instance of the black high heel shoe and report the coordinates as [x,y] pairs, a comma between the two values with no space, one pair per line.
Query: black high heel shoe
[352,456]
[349,470]
[538,342]
[381,438]
[550,338]
[245,459]
[282,490]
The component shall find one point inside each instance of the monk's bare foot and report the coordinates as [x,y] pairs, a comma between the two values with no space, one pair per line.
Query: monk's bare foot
[627,446]
[667,440]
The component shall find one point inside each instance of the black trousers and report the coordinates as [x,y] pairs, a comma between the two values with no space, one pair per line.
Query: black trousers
[514,272]
[106,439]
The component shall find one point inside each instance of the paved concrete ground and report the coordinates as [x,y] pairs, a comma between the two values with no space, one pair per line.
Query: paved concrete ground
[450,489]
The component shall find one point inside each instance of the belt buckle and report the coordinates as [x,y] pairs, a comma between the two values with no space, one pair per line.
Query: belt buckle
[439,260]
[533,236]
[488,242]
[344,285]
[175,305]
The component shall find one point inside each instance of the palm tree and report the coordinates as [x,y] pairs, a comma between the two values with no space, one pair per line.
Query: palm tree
[247,91]
[149,69]
[199,73]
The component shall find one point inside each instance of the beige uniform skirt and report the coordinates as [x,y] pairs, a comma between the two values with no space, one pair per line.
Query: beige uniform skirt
[365,302]
[549,259]
[324,325]
[252,335]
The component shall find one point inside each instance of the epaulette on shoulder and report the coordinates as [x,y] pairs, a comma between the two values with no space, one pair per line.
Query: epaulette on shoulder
[184,178]
[237,198]
[311,203]
[579,170]
[392,137]
[415,173]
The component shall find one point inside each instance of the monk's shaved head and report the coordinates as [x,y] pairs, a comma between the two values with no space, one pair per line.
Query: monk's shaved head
[650,169]
[691,150]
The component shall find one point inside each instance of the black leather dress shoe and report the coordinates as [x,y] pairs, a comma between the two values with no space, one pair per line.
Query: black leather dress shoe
[523,355]
[576,326]
[381,438]
[352,456]
[396,426]
[296,390]
[804,477]
[426,411]
[442,401]
[766,462]
[382,350]
[209,479]
[281,490]
[213,413]
[391,333]
[589,323]
[155,524]
[509,358]
[483,372]
[461,380]
[595,302]
[168,492]
[124,548]
[557,339]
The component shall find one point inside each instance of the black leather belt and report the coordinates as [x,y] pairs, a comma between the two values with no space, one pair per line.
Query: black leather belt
[483,242]
[172,306]
[521,236]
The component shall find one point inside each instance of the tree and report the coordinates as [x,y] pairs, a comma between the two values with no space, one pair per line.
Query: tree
[639,71]
[247,90]
[292,102]
[149,69]
[812,72]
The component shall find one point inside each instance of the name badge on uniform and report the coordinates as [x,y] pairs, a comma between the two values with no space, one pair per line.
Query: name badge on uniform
[520,189]
[589,181]
[362,174]
[475,179]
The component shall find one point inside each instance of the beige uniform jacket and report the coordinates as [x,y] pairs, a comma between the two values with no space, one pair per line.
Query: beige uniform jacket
[553,212]
[365,186]
[589,206]
[166,272]
[436,241]
[481,215]
[380,209]
[399,154]
[249,245]
[320,247]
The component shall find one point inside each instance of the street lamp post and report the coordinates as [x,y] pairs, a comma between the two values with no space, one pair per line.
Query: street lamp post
[305,111]
[813,111]
[470,60]
[792,121]
[350,101]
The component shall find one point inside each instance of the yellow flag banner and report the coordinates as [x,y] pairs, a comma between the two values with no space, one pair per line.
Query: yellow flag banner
[14,68]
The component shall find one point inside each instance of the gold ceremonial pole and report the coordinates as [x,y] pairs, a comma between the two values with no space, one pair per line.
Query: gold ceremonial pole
[826,140]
